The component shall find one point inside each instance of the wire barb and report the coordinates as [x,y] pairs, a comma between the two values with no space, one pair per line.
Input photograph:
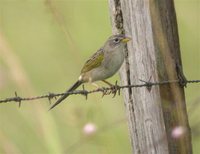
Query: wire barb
[148,84]
[84,92]
[18,99]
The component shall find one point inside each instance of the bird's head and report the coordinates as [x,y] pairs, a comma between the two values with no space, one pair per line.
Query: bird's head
[117,41]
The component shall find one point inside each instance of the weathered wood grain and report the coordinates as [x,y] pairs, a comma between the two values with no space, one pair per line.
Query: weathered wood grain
[154,55]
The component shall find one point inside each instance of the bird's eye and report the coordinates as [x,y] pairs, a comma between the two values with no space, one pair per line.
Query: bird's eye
[116,40]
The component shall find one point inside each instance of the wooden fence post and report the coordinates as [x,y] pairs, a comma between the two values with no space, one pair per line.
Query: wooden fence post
[153,55]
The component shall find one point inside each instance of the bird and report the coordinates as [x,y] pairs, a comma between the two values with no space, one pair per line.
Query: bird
[103,64]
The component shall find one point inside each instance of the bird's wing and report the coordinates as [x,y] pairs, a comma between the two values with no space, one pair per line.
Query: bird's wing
[94,61]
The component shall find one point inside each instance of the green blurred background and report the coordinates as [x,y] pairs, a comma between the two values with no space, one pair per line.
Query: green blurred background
[43,45]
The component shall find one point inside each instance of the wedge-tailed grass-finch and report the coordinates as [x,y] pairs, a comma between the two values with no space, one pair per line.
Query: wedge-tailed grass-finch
[102,64]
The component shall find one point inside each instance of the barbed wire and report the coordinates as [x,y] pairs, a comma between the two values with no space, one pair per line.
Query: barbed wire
[104,90]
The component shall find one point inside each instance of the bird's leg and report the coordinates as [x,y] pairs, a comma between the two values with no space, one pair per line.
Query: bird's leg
[104,91]
[114,88]
[96,85]
[108,83]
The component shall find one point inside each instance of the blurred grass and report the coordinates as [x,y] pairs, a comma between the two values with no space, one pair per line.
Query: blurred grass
[50,40]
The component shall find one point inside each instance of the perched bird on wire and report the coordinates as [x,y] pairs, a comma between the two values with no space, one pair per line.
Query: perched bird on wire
[102,64]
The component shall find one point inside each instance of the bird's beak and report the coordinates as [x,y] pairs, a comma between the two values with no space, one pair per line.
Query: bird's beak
[126,39]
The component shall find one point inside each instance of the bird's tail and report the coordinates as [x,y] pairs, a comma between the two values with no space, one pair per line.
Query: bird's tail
[76,85]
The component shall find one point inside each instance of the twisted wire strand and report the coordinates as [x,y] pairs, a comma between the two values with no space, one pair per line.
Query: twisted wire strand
[104,90]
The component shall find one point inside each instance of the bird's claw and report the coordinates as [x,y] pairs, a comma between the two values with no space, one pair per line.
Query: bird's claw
[114,89]
[104,91]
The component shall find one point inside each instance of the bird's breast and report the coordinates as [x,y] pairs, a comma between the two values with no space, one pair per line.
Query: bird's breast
[114,62]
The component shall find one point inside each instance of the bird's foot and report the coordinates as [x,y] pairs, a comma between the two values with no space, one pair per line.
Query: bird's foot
[105,91]
[114,89]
